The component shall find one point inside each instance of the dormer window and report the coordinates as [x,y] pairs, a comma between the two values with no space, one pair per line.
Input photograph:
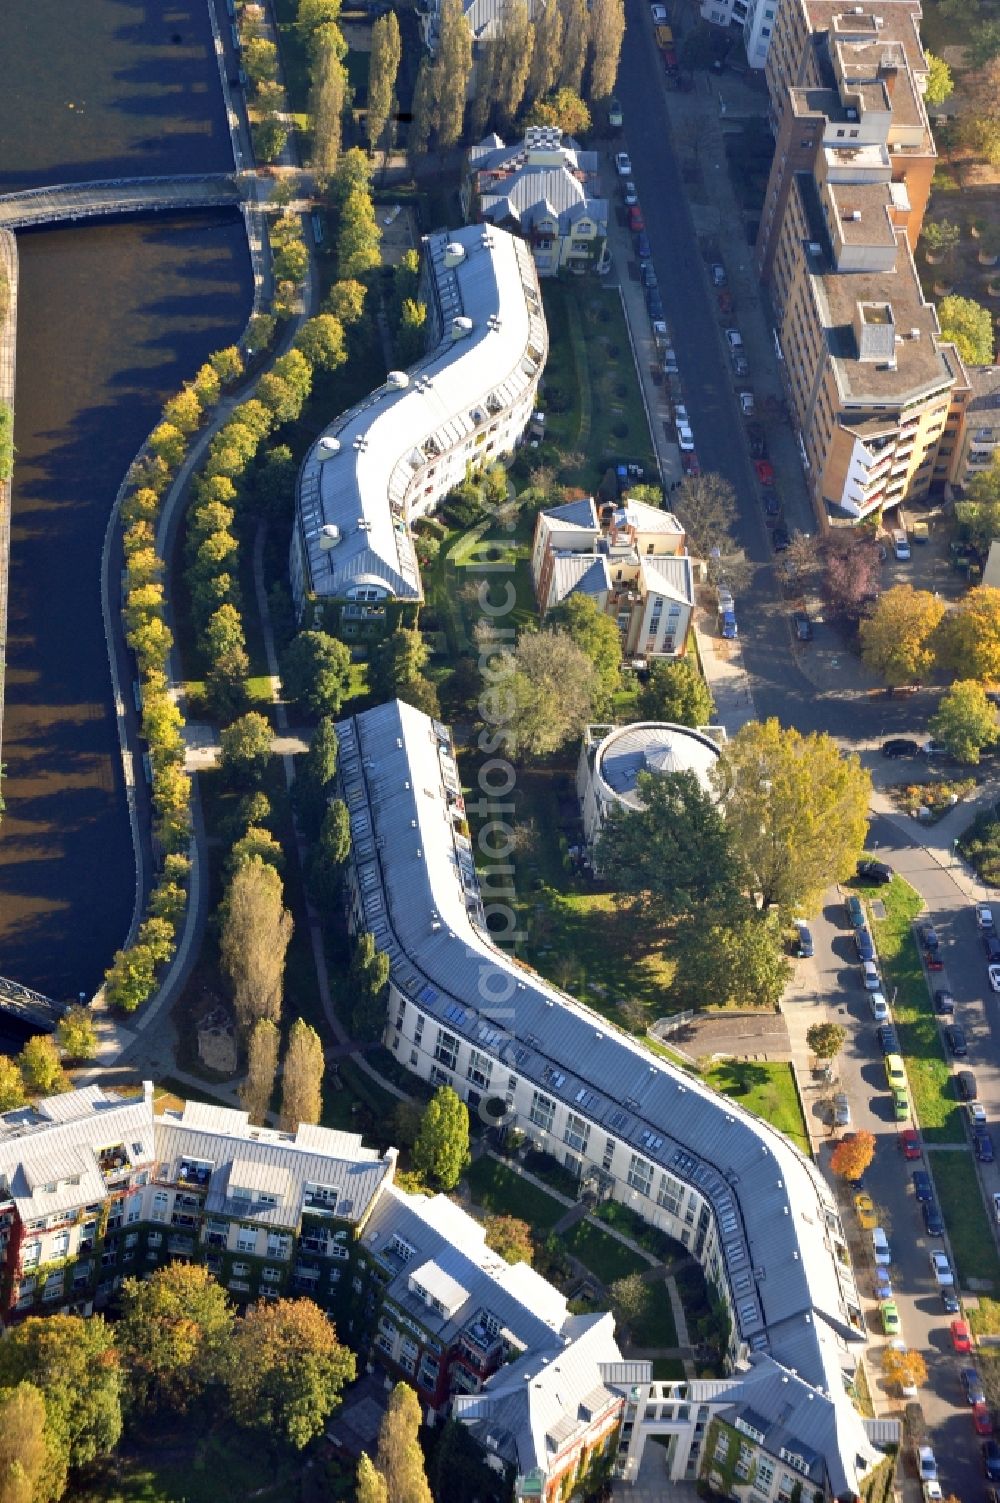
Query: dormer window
[321,1197]
[196,1172]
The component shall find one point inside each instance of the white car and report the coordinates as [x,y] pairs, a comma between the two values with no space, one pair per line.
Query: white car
[977,1113]
[908,1390]
[746,403]
[631,195]
[926,1464]
[659,14]
[932,1492]
[984,917]
[881,1251]
[996,1207]
[870,976]
[993,971]
[685,438]
[623,164]
[735,339]
[879,1007]
[941,1269]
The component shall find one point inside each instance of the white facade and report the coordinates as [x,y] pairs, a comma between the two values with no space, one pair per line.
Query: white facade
[393,457]
[754,18]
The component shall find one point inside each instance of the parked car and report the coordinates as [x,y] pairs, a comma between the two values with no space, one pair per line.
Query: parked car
[772,506]
[984,917]
[659,14]
[890,1317]
[741,365]
[909,1144]
[996,1207]
[900,1105]
[991,946]
[764,471]
[735,339]
[991,1460]
[901,546]
[900,746]
[804,947]
[922,1187]
[865,1207]
[933,1492]
[950,1301]
[635,220]
[685,438]
[623,164]
[728,626]
[841,1110]
[864,945]
[803,627]
[879,1007]
[993,975]
[780,539]
[887,1040]
[870,977]
[973,1385]
[883,1284]
[631,194]
[615,117]
[944,1002]
[933,1220]
[875,871]
[941,1269]
[725,302]
[982,1419]
[926,1464]
[928,937]
[895,1072]
[856,912]
[961,1335]
[908,1390]
[965,1083]
[746,403]
[954,1037]
[654,303]
[982,1143]
[719,278]
[881,1251]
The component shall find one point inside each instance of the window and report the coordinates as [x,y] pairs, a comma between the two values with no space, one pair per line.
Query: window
[402,1249]
[480,1069]
[542,1111]
[246,1239]
[161,1199]
[278,1246]
[321,1197]
[744,1461]
[31,1254]
[418,1031]
[640,1174]
[446,1050]
[765,1474]
[131,1239]
[59,1246]
[577,1132]
[154,1239]
[53,1288]
[271,1275]
[670,1194]
[609,1153]
[722,1447]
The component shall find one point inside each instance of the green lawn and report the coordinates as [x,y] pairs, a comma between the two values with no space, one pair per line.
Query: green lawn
[668,1369]
[766,1088]
[294,55]
[606,1258]
[498,1188]
[655,1327]
[963,1210]
[931,1089]
[225,1465]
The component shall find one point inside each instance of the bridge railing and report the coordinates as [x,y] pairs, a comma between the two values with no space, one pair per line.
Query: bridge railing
[32,1006]
[99,185]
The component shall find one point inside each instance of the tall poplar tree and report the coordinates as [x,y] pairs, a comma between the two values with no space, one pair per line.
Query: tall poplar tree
[424,110]
[514,44]
[453,68]
[546,56]
[573,54]
[302,1077]
[607,28]
[326,110]
[400,1459]
[383,66]
[262,1067]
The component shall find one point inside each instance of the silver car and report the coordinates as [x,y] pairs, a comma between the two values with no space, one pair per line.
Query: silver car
[841,1110]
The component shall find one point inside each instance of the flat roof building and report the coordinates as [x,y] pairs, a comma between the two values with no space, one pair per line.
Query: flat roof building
[613,757]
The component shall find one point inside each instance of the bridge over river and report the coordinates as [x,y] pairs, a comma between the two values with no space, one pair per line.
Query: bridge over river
[69,203]
[29,1006]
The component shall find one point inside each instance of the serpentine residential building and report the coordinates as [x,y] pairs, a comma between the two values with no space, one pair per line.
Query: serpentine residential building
[394,456]
[754,1211]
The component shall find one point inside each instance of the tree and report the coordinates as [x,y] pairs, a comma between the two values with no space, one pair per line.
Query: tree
[346,301]
[452,68]
[411,334]
[315,672]
[512,58]
[826,1039]
[940,237]
[564,109]
[896,637]
[970,636]
[510,1237]
[597,635]
[246,747]
[629,1298]
[441,1151]
[256,928]
[302,1077]
[542,692]
[850,565]
[982,49]
[227,364]
[706,508]
[130,978]
[424,110]
[906,1368]
[547,50]
[255,843]
[969,326]
[184,410]
[980,124]
[359,237]
[675,692]
[174,1336]
[574,48]
[852,1155]
[24,1451]
[673,854]
[607,29]
[313,776]
[76,1034]
[369,978]
[939,80]
[400,1459]
[224,646]
[12,1092]
[330,854]
[41,1066]
[740,961]
[797,810]
[260,59]
[371,1485]
[321,340]
[270,136]
[966,721]
[327,98]
[287,1370]
[74,1366]
[395,661]
[262,1069]
[383,66]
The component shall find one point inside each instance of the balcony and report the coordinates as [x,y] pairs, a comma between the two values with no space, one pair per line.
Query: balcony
[114,1163]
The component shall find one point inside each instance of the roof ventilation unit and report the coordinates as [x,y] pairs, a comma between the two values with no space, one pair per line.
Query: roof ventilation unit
[461,327]
[329,536]
[327,448]
[398,379]
[454,254]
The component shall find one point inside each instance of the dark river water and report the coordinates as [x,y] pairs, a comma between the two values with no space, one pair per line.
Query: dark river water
[111,319]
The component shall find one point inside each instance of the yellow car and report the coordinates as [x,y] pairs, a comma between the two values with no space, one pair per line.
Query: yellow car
[865,1208]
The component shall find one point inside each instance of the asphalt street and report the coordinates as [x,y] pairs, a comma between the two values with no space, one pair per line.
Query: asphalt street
[857,717]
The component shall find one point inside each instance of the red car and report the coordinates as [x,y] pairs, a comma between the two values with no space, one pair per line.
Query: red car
[765,471]
[689,463]
[636,223]
[909,1143]
[961,1336]
[982,1419]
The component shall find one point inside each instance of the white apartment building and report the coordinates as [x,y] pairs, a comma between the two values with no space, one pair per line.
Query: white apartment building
[756,1214]
[393,457]
[755,19]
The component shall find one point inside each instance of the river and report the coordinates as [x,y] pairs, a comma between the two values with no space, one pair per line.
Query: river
[111,319]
